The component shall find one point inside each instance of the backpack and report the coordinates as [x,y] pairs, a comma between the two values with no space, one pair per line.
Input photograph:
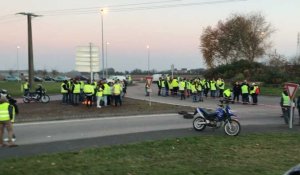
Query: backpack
[257,91]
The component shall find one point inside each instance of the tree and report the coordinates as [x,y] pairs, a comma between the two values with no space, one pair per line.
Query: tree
[54,72]
[44,73]
[239,37]
[276,60]
[136,71]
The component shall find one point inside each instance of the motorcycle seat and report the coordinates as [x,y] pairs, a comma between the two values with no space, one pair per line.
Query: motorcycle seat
[209,115]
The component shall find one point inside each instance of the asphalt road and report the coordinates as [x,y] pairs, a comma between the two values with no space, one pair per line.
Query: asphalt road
[56,136]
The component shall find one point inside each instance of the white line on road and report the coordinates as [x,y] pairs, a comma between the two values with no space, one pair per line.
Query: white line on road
[92,119]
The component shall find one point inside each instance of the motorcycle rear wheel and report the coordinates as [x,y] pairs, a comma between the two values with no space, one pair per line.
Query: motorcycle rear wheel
[26,100]
[45,99]
[232,128]
[197,123]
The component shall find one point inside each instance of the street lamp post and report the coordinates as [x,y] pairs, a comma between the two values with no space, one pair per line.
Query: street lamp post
[148,50]
[102,13]
[18,71]
[106,69]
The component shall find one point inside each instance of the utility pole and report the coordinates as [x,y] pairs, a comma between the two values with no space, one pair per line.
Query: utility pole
[30,47]
[298,46]
[102,13]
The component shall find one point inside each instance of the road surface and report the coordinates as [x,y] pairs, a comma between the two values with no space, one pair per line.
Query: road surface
[56,136]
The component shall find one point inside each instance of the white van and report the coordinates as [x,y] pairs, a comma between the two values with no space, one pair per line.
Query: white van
[155,77]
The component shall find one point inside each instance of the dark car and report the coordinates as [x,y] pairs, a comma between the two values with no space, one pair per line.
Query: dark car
[38,79]
[48,78]
[81,78]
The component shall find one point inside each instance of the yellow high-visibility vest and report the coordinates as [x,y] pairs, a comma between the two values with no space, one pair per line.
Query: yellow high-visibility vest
[106,90]
[286,100]
[227,93]
[245,89]
[99,92]
[117,89]
[76,89]
[193,88]
[4,114]
[88,89]
[62,90]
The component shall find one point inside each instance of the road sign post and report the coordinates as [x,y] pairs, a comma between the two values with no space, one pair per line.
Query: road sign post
[292,88]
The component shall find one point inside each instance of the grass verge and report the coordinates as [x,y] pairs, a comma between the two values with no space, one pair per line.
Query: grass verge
[247,154]
[14,88]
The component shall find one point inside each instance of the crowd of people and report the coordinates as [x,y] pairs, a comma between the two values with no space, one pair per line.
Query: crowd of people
[198,88]
[101,93]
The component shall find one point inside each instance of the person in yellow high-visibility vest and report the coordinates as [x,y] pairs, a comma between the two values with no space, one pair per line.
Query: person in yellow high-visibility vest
[25,88]
[99,94]
[89,91]
[106,93]
[117,89]
[182,87]
[245,92]
[285,103]
[64,91]
[76,92]
[6,115]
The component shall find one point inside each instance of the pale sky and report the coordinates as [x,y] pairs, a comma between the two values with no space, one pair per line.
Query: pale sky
[172,33]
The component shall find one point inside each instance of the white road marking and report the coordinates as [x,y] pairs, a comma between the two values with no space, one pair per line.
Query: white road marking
[91,119]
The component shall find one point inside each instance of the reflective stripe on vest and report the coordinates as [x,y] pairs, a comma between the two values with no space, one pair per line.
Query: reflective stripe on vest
[4,114]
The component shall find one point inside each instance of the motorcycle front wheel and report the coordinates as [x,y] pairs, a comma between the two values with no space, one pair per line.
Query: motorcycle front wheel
[232,128]
[199,123]
[45,99]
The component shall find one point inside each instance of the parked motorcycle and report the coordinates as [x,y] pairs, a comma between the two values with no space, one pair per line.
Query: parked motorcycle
[36,97]
[222,117]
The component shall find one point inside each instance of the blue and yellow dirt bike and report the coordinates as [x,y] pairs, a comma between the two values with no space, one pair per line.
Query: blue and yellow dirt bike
[222,117]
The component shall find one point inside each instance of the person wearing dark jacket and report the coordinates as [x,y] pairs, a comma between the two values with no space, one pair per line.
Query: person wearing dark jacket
[236,92]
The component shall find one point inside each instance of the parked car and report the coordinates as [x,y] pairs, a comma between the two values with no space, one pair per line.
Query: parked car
[12,78]
[116,77]
[61,78]
[48,78]
[81,78]
[38,79]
